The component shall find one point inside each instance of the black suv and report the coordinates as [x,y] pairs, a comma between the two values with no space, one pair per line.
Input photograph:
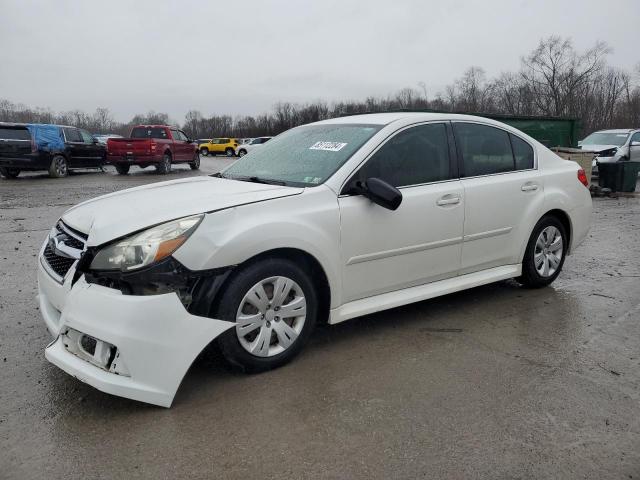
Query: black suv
[54,148]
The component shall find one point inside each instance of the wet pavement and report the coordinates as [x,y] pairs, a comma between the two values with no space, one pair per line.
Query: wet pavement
[495,382]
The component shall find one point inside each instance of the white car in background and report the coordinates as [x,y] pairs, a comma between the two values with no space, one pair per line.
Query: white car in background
[326,222]
[103,137]
[612,145]
[252,145]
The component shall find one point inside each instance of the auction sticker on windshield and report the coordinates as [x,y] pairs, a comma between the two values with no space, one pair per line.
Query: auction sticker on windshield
[329,146]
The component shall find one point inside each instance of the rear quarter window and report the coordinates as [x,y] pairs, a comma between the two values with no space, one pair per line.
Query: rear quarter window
[522,152]
[10,133]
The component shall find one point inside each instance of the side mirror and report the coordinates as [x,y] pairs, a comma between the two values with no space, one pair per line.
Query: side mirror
[380,192]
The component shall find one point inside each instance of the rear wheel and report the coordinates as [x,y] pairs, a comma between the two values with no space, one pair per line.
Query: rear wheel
[229,152]
[545,254]
[164,166]
[58,167]
[204,152]
[195,164]
[7,172]
[122,169]
[274,305]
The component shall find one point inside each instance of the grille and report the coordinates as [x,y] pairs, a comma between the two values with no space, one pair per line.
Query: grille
[60,265]
[73,243]
[71,239]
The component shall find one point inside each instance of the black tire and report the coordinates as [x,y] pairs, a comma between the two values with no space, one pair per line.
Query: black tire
[530,277]
[58,167]
[204,152]
[195,164]
[122,168]
[239,284]
[242,152]
[8,172]
[229,152]
[164,166]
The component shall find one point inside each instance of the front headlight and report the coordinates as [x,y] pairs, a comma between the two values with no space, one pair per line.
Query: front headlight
[146,247]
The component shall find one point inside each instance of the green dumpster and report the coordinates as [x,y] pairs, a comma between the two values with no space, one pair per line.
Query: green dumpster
[619,176]
[630,176]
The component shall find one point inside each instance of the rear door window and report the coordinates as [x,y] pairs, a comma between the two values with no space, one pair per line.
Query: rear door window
[86,136]
[18,133]
[72,135]
[485,150]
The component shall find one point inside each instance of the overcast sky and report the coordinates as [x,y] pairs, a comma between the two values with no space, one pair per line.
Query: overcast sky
[241,57]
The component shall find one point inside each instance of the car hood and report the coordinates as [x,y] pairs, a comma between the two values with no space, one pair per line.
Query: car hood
[111,216]
[597,148]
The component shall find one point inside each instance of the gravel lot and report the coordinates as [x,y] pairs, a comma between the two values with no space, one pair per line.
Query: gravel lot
[495,382]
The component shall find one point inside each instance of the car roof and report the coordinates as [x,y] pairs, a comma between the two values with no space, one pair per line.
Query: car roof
[57,125]
[390,117]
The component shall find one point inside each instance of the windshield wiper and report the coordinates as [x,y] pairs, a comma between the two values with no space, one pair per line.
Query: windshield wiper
[254,179]
[268,181]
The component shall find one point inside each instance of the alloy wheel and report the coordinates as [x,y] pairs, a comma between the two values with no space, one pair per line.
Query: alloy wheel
[548,250]
[271,316]
[60,166]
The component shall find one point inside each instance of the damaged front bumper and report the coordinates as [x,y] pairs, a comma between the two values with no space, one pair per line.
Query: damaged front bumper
[133,346]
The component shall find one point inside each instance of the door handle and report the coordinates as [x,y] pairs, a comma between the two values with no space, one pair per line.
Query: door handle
[448,200]
[529,187]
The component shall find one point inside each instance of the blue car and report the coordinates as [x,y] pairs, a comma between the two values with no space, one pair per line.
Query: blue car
[53,148]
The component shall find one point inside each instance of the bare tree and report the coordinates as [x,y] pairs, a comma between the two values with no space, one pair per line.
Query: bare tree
[554,79]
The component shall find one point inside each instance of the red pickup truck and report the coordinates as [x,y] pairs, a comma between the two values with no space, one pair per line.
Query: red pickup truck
[156,145]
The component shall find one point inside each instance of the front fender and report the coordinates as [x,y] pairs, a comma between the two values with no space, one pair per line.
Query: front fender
[233,236]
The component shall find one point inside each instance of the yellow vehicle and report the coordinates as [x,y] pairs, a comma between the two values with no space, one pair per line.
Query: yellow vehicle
[219,145]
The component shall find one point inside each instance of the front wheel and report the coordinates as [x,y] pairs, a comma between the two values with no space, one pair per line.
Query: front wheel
[242,153]
[195,163]
[58,167]
[8,172]
[545,254]
[274,306]
[229,152]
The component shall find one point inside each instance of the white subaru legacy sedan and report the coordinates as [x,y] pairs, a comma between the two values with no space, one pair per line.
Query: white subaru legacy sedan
[323,223]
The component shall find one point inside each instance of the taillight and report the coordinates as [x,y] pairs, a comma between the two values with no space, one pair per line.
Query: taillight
[34,147]
[582,177]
